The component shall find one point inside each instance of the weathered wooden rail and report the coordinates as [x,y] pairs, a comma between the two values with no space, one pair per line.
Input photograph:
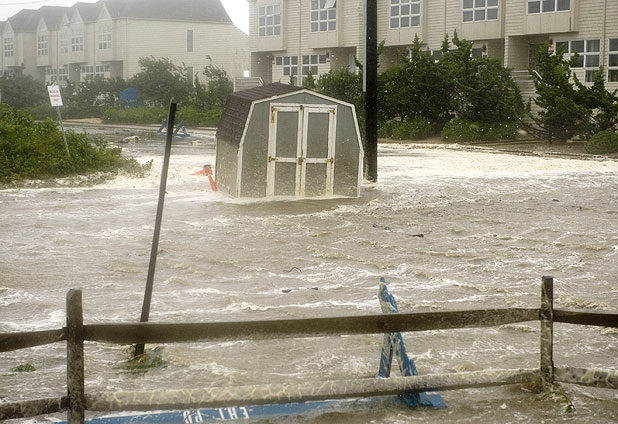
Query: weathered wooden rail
[76,402]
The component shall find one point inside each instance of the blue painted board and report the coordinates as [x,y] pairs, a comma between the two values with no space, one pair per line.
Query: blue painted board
[393,345]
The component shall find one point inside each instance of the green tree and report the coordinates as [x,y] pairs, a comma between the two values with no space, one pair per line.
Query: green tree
[218,85]
[414,88]
[343,85]
[483,90]
[561,115]
[92,97]
[601,103]
[23,91]
[309,82]
[160,81]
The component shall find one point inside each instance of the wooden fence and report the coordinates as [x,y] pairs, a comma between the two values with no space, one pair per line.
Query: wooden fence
[76,333]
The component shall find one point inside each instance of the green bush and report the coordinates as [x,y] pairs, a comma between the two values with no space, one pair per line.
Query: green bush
[385,129]
[418,128]
[135,115]
[36,150]
[461,131]
[199,118]
[602,143]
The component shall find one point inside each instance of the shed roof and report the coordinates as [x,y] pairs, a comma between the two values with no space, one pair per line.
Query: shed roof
[234,117]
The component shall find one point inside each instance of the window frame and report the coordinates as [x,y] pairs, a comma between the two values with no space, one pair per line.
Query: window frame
[612,51]
[8,45]
[586,52]
[411,19]
[541,4]
[475,8]
[274,27]
[77,38]
[42,45]
[320,18]
[105,34]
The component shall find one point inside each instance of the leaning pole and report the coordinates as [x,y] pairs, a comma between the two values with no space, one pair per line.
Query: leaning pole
[139,348]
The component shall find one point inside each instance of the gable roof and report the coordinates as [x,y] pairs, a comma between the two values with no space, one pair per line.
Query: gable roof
[236,111]
[25,20]
[89,12]
[52,15]
[179,10]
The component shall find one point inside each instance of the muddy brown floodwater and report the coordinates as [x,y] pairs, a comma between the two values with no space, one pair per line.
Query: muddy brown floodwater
[491,223]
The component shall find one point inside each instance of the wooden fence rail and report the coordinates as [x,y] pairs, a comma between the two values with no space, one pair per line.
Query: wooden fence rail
[75,333]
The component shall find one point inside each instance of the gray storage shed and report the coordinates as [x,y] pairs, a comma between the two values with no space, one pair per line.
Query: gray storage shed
[281,140]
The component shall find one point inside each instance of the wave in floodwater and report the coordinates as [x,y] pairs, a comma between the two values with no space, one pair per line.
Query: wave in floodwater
[448,229]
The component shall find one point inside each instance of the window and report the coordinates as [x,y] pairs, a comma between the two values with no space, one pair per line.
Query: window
[56,75]
[41,45]
[189,40]
[310,64]
[64,40]
[545,6]
[91,71]
[323,15]
[612,63]
[8,47]
[105,35]
[588,55]
[77,39]
[269,20]
[479,10]
[190,81]
[405,13]
[289,63]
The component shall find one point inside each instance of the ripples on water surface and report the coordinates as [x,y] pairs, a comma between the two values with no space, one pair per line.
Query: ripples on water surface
[448,229]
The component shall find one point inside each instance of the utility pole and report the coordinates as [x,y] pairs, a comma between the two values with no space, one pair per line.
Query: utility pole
[370,86]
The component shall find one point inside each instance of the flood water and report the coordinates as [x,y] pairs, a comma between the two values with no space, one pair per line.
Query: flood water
[448,228]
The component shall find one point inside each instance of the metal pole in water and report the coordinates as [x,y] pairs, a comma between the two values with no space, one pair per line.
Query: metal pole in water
[64,136]
[139,348]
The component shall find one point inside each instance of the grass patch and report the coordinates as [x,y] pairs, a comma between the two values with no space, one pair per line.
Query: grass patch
[27,367]
[140,364]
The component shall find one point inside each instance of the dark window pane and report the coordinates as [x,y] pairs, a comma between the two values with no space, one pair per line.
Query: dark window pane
[593,46]
[613,44]
[492,14]
[467,16]
[613,60]
[592,61]
[479,15]
[577,46]
[534,7]
[564,4]
[548,5]
[564,45]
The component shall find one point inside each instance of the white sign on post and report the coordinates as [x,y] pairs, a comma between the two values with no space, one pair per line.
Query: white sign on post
[54,95]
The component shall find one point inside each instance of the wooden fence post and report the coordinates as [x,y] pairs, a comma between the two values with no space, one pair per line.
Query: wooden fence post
[75,357]
[547,333]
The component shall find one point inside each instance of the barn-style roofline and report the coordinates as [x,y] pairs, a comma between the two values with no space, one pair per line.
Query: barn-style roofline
[238,108]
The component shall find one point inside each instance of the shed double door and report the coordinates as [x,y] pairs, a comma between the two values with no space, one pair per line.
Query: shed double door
[301,150]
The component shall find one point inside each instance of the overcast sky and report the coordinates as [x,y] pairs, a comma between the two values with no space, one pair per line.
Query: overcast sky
[237,9]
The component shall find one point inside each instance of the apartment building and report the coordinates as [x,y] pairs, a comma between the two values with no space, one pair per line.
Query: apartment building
[109,37]
[298,37]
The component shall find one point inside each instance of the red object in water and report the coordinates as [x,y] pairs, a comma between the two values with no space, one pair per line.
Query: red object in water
[208,172]
[200,172]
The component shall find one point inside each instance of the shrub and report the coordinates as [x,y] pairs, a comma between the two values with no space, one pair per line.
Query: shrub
[602,143]
[461,131]
[36,150]
[418,128]
[385,129]
[135,115]
[195,117]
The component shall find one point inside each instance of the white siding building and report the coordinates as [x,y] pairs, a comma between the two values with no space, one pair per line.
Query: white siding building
[294,37]
[109,37]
